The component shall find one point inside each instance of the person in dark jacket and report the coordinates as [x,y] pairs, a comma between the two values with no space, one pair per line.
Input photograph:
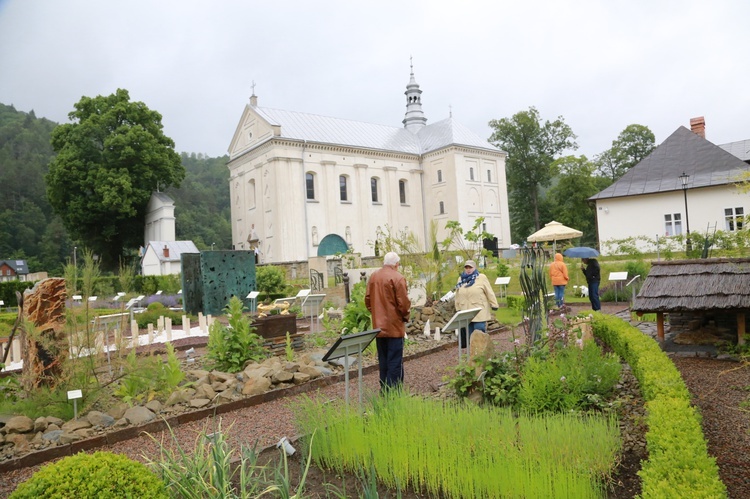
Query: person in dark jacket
[593,277]
[388,301]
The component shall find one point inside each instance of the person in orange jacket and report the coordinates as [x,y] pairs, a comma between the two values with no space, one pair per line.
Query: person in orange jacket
[558,274]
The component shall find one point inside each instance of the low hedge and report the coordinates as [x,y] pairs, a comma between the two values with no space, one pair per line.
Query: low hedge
[678,464]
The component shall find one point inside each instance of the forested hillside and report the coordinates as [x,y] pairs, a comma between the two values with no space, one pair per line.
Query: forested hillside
[30,231]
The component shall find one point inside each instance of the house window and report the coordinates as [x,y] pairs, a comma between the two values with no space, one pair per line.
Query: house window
[673,224]
[733,218]
[489,175]
[310,185]
[402,191]
[442,208]
[374,188]
[471,173]
[440,175]
[343,187]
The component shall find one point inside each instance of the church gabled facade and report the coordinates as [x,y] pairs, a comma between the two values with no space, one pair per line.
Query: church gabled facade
[304,185]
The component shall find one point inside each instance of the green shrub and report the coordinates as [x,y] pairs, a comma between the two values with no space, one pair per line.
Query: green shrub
[148,376]
[153,312]
[678,463]
[270,279]
[570,379]
[230,348]
[515,302]
[99,475]
[356,317]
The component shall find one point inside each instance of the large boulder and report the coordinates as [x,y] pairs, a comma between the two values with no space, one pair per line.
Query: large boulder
[19,424]
[256,386]
[97,418]
[139,415]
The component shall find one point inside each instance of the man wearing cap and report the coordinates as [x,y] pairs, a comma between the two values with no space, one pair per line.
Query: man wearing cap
[474,291]
[387,299]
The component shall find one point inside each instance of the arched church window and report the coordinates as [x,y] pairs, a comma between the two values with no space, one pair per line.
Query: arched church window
[344,187]
[375,189]
[310,185]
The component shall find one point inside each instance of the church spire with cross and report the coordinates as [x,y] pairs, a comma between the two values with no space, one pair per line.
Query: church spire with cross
[415,118]
[253,97]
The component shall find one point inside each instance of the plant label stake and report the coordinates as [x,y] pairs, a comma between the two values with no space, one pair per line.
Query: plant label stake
[74,395]
[459,321]
[349,345]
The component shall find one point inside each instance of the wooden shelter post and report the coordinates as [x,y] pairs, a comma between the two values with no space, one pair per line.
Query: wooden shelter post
[741,328]
[660,326]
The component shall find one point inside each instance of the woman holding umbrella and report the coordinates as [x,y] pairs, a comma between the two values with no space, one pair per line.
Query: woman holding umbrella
[590,269]
[593,277]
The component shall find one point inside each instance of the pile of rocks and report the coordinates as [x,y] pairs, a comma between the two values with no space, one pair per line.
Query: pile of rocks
[438,314]
[20,434]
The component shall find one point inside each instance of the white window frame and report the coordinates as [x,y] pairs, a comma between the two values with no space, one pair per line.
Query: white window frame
[310,178]
[734,219]
[673,224]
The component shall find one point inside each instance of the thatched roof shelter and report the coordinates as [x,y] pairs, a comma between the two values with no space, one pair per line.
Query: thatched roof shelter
[715,284]
[692,285]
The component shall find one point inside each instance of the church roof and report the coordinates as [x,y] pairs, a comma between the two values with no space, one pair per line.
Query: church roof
[326,130]
[682,152]
[176,248]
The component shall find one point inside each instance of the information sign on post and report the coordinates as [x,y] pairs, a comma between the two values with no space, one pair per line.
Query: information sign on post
[253,297]
[618,277]
[503,281]
[346,346]
[461,320]
[311,305]
[74,395]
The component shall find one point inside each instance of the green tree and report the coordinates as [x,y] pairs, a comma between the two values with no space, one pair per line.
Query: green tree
[109,161]
[633,144]
[532,148]
[569,196]
[202,212]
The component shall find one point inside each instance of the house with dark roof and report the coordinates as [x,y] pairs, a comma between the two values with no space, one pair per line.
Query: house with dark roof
[165,257]
[686,184]
[13,270]
[304,185]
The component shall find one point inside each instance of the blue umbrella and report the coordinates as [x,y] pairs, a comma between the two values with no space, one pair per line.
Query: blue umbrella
[581,252]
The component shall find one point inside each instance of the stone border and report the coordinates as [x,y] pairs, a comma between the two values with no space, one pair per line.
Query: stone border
[43,455]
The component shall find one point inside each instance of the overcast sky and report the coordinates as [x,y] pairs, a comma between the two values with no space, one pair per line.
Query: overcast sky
[601,65]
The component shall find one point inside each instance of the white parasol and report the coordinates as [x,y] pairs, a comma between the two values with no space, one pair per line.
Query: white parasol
[554,231]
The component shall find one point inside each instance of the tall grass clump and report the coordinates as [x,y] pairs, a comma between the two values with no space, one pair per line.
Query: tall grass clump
[460,450]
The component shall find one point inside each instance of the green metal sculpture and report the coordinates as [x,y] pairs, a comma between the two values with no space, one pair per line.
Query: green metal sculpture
[534,286]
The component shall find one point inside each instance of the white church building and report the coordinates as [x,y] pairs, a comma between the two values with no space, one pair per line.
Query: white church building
[161,254]
[304,185]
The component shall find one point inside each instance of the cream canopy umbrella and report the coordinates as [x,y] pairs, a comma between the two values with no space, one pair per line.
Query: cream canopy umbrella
[554,231]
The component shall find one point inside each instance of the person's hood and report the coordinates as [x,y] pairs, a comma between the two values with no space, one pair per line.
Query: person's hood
[558,257]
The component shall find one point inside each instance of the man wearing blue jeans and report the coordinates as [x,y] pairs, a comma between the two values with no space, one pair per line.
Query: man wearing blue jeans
[388,302]
[593,277]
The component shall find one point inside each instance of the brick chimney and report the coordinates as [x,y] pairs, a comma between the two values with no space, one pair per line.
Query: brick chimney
[166,251]
[698,126]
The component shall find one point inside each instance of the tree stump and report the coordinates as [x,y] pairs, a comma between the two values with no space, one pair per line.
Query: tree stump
[45,348]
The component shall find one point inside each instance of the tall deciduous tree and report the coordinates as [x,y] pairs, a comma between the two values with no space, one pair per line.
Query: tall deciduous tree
[633,144]
[569,196]
[109,161]
[532,147]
